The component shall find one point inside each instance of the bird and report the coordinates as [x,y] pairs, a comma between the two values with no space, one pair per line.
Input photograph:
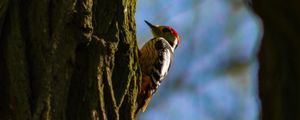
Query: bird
[155,59]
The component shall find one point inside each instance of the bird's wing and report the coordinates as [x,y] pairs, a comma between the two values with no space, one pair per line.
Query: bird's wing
[163,61]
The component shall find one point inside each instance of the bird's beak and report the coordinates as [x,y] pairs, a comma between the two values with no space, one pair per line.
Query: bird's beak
[154,28]
[149,24]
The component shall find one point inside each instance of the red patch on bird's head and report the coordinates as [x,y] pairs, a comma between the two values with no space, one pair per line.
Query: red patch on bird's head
[173,31]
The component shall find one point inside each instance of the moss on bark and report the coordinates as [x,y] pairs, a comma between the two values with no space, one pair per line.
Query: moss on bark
[68,59]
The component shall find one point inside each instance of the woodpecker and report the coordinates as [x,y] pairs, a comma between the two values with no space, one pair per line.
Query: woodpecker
[155,58]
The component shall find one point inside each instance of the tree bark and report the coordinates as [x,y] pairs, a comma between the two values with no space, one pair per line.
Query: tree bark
[68,59]
[279,74]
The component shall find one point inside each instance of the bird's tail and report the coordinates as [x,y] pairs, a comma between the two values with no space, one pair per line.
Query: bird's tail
[144,96]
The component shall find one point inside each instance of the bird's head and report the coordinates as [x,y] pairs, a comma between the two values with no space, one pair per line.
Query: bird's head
[166,32]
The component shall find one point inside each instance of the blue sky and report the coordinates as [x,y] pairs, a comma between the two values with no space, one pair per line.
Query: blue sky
[214,70]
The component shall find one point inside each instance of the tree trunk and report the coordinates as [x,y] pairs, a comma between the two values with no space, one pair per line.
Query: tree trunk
[68,59]
[279,75]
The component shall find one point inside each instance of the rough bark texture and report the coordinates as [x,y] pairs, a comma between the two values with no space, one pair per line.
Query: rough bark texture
[68,59]
[279,74]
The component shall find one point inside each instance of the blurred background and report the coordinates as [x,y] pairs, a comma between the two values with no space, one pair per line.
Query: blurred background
[214,75]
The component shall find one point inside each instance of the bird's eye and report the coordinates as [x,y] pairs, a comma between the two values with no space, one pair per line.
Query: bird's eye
[166,30]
